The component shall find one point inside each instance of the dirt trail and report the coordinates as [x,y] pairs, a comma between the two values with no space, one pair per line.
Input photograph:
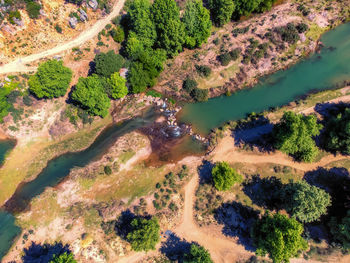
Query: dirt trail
[19,65]
[226,151]
[222,249]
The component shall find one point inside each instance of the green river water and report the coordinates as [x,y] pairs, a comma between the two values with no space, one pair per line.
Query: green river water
[320,71]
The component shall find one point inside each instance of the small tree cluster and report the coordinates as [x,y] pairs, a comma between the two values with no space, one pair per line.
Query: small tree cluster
[197,254]
[294,135]
[144,234]
[51,80]
[224,176]
[279,237]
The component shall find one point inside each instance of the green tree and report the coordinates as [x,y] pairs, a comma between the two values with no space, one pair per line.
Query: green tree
[108,63]
[246,7]
[305,202]
[196,20]
[170,30]
[337,133]
[63,258]
[221,11]
[341,231]
[33,9]
[293,135]
[91,96]
[51,80]
[145,68]
[198,254]
[278,236]
[118,88]
[144,234]
[224,176]
[118,34]
[140,22]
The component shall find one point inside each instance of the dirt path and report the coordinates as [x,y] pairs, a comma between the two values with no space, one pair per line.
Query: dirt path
[222,249]
[19,65]
[226,151]
[344,99]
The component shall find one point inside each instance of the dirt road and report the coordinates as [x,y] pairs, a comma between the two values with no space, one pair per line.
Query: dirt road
[19,65]
[226,151]
[222,249]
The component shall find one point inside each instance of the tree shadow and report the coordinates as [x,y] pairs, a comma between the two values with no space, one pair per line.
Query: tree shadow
[175,248]
[204,172]
[92,68]
[123,224]
[264,192]
[38,253]
[255,133]
[335,181]
[237,220]
[329,109]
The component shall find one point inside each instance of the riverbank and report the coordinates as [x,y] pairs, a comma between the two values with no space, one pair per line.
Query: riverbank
[238,75]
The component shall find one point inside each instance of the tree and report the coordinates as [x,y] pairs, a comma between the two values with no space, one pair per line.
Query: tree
[246,7]
[278,236]
[341,232]
[118,34]
[337,133]
[144,234]
[198,254]
[90,95]
[305,202]
[293,135]
[141,24]
[196,20]
[108,63]
[221,11]
[51,80]
[145,68]
[224,176]
[170,30]
[63,258]
[33,9]
[118,88]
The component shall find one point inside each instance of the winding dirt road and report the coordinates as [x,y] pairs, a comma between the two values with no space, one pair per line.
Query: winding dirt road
[19,65]
[222,249]
[226,151]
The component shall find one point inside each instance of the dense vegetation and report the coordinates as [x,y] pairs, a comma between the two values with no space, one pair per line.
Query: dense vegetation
[197,254]
[294,135]
[337,133]
[144,234]
[51,80]
[224,176]
[108,63]
[305,202]
[279,237]
[341,230]
[91,96]
[63,258]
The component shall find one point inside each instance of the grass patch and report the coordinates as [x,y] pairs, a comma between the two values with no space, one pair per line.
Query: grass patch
[315,31]
[126,156]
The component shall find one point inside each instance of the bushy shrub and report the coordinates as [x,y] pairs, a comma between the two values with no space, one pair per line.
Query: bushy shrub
[203,70]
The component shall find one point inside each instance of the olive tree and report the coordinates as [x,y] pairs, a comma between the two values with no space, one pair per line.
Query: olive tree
[144,234]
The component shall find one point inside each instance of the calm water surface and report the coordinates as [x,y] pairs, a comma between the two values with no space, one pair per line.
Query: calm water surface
[318,72]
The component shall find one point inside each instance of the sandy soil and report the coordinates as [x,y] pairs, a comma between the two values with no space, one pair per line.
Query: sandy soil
[19,65]
[222,249]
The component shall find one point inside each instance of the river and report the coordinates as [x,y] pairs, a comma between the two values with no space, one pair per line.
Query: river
[319,71]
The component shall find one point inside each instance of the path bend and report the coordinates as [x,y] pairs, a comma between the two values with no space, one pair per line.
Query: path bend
[19,65]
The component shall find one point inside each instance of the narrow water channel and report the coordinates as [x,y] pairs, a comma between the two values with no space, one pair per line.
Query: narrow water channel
[318,72]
